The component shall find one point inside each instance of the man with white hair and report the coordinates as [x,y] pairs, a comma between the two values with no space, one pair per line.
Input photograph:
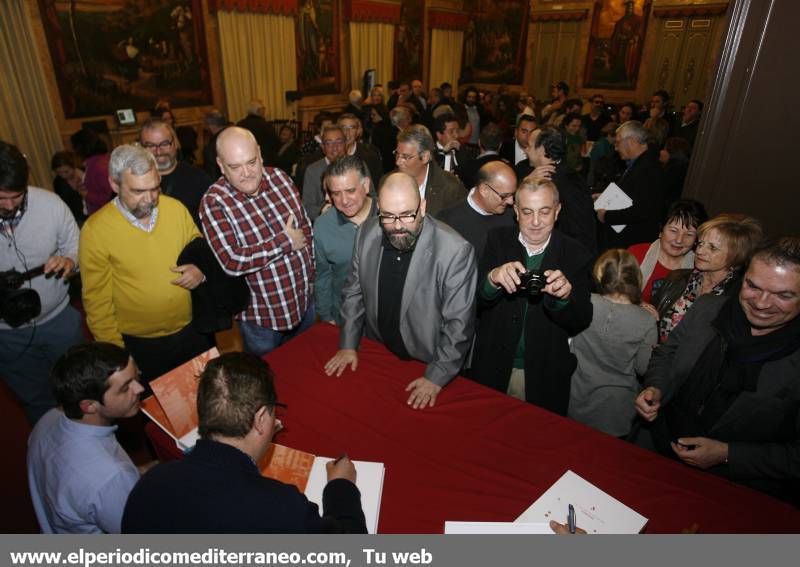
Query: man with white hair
[264,133]
[134,294]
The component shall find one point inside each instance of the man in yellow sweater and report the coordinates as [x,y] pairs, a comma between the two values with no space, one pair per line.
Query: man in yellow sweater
[133,291]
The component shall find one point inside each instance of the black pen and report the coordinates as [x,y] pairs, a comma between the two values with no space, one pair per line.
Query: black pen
[339,458]
[571,519]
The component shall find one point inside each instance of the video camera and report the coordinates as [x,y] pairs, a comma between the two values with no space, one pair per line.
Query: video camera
[18,306]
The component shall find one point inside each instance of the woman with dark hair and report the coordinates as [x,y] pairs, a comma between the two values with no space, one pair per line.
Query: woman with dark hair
[724,246]
[675,159]
[614,349]
[68,183]
[673,249]
[94,151]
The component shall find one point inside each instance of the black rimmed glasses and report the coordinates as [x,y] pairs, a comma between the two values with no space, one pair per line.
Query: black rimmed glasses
[162,146]
[405,218]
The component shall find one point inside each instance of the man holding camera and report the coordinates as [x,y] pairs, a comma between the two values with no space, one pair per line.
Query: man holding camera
[37,324]
[533,295]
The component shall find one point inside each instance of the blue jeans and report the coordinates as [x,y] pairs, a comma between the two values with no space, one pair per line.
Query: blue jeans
[27,354]
[260,340]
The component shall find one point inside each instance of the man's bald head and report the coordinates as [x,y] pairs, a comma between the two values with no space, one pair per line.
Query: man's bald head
[400,183]
[496,186]
[239,158]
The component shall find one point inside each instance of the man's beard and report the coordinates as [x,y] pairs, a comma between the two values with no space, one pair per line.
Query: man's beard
[166,165]
[7,214]
[403,239]
[143,211]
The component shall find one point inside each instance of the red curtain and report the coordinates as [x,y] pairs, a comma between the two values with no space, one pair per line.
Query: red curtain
[447,20]
[371,11]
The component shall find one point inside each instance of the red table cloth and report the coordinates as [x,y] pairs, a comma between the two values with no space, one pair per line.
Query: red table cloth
[480,455]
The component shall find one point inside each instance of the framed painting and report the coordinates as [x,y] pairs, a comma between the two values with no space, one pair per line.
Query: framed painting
[615,44]
[494,41]
[113,54]
[318,46]
[409,41]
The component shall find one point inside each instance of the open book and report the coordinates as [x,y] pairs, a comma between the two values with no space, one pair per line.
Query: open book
[596,512]
[173,407]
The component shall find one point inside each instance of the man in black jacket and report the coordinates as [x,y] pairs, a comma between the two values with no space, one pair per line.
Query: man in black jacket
[723,391]
[643,182]
[217,488]
[265,134]
[523,328]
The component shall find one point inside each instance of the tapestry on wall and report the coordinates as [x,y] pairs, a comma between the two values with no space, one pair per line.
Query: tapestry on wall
[126,54]
[616,43]
[408,56]
[494,41]
[318,46]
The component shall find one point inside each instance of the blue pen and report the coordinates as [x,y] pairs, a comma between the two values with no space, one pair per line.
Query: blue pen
[571,519]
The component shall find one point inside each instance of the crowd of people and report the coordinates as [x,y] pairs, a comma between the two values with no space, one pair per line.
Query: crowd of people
[460,233]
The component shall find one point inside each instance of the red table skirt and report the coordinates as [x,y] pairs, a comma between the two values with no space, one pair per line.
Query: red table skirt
[480,455]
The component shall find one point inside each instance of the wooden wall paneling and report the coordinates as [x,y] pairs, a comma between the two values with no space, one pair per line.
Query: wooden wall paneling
[567,64]
[667,56]
[542,58]
[695,51]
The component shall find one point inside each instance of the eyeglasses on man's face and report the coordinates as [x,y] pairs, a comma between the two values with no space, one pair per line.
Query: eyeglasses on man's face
[404,157]
[162,146]
[405,218]
[502,196]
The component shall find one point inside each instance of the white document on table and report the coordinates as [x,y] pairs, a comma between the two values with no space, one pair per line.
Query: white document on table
[496,528]
[595,511]
[613,199]
[369,480]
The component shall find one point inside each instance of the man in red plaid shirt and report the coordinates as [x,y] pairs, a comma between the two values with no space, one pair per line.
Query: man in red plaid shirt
[257,227]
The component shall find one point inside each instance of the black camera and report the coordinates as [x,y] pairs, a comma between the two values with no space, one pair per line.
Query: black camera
[532,282]
[18,306]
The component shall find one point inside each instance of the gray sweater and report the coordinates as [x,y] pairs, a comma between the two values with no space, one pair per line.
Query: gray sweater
[611,352]
[46,229]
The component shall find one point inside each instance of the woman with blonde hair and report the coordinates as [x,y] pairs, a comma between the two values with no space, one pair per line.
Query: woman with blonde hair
[724,246]
[614,349]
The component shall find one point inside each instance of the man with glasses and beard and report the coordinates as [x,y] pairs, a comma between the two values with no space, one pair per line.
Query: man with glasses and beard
[179,180]
[402,253]
[134,294]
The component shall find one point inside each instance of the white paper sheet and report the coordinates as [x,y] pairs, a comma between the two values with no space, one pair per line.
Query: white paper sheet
[613,199]
[369,480]
[595,511]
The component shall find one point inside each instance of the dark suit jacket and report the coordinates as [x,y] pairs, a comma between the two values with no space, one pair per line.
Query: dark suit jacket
[549,364]
[469,170]
[761,427]
[443,190]
[372,158]
[643,182]
[473,226]
[507,151]
[217,489]
[265,136]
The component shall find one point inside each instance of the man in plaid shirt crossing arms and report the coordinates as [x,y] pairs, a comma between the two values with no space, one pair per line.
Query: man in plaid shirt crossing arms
[257,227]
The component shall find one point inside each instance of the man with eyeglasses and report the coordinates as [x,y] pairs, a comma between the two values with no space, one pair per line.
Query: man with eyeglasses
[179,180]
[257,228]
[218,487]
[414,156]
[333,147]
[524,323]
[411,287]
[546,162]
[486,206]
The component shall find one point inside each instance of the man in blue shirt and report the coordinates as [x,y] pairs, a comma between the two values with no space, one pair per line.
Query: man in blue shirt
[79,476]
[347,181]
